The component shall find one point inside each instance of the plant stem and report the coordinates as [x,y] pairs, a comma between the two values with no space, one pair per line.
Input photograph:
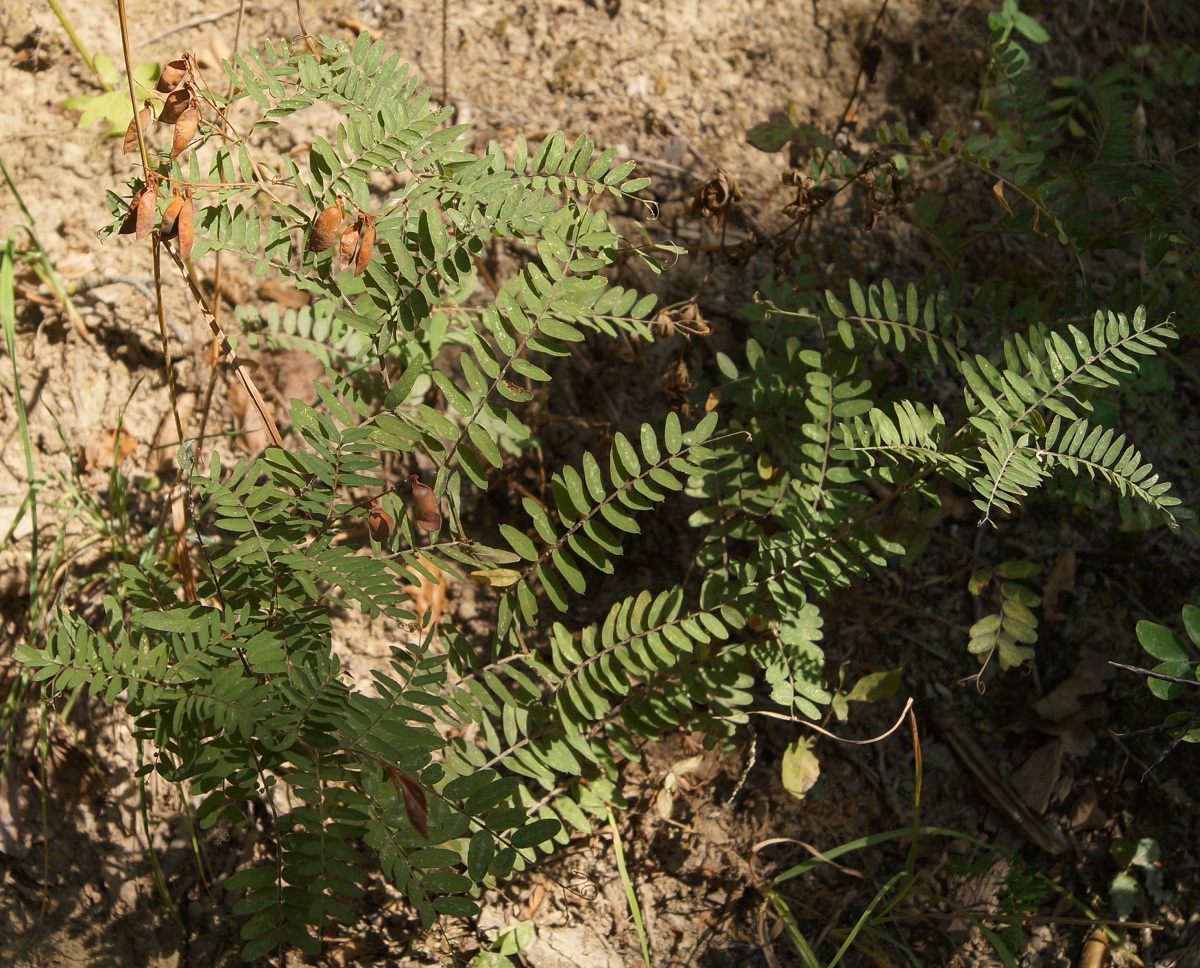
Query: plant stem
[77,43]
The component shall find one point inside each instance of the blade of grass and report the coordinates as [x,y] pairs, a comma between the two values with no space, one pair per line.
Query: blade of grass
[8,323]
[635,910]
[792,927]
[36,257]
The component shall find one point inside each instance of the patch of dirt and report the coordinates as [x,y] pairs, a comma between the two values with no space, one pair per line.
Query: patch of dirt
[676,84]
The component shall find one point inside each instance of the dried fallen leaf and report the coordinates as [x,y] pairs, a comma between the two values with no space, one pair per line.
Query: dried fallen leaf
[325,227]
[535,902]
[1037,779]
[139,120]
[800,768]
[185,128]
[175,105]
[285,296]
[366,245]
[1060,581]
[172,76]
[107,449]
[356,26]
[183,555]
[429,518]
[998,191]
[496,577]
[428,591]
[254,437]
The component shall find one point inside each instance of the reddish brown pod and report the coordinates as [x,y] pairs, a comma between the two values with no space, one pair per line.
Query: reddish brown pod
[172,76]
[325,227]
[429,518]
[140,221]
[139,120]
[413,795]
[380,523]
[186,229]
[169,227]
[175,105]
[185,128]
[366,243]
[347,247]
[177,223]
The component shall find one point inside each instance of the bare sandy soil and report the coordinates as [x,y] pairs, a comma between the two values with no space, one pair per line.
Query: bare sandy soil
[676,84]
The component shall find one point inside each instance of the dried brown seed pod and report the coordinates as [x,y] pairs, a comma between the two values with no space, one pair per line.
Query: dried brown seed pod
[185,127]
[366,245]
[139,120]
[429,518]
[347,246]
[172,76]
[380,524]
[185,227]
[146,204]
[170,220]
[175,105]
[325,227]
[129,226]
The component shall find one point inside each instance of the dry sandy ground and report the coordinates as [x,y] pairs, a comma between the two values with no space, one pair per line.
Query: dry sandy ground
[675,84]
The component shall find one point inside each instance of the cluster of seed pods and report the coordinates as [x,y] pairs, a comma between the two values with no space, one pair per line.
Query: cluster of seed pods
[354,243]
[176,221]
[177,82]
[428,517]
[179,109]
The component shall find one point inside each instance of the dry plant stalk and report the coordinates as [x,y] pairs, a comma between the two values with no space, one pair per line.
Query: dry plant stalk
[256,398]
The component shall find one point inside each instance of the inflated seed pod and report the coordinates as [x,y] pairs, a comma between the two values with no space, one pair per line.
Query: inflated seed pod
[380,524]
[172,76]
[185,128]
[429,518]
[169,227]
[146,204]
[325,227]
[347,246]
[129,226]
[366,243]
[139,120]
[184,226]
[175,105]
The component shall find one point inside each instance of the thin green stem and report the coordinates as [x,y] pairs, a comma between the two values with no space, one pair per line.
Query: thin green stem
[77,43]
[635,910]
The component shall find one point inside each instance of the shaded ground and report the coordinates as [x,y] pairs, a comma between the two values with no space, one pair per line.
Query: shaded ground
[676,84]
